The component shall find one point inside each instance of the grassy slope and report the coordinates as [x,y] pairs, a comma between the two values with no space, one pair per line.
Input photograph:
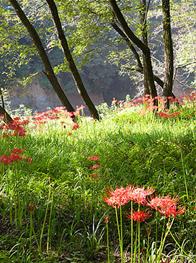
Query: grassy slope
[133,149]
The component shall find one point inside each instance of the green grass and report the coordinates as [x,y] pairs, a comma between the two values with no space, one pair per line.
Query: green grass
[51,210]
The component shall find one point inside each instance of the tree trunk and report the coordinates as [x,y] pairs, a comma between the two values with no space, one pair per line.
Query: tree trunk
[48,67]
[130,45]
[143,16]
[72,66]
[139,68]
[6,117]
[2,99]
[168,52]
[145,49]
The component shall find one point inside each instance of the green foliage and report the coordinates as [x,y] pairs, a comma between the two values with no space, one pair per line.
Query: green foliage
[55,204]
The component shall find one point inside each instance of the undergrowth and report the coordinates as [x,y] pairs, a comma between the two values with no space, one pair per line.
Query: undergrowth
[51,206]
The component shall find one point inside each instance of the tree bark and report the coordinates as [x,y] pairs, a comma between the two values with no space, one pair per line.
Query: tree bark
[168,52]
[2,99]
[130,45]
[6,117]
[72,66]
[43,55]
[143,16]
[139,67]
[145,50]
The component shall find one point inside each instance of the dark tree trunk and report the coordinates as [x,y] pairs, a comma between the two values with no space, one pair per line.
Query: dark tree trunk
[143,16]
[139,67]
[48,67]
[145,49]
[6,117]
[130,45]
[2,99]
[72,66]
[168,52]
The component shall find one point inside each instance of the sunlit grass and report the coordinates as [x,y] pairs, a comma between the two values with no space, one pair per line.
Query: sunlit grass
[55,203]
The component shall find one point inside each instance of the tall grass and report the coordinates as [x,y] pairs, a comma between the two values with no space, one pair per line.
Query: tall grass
[48,204]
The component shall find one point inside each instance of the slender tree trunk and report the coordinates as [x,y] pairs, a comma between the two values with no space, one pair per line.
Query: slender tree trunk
[168,52]
[72,66]
[43,55]
[130,45]
[145,49]
[139,67]
[6,117]
[143,16]
[2,99]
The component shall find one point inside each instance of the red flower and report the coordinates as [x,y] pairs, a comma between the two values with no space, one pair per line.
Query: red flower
[168,115]
[8,159]
[5,159]
[95,166]
[72,114]
[117,197]
[18,151]
[75,126]
[139,216]
[139,194]
[167,206]
[93,158]
[15,157]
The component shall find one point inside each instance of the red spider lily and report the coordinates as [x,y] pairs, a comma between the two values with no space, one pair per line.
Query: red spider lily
[14,156]
[18,151]
[166,206]
[168,115]
[75,126]
[139,216]
[139,195]
[53,114]
[15,126]
[8,159]
[5,159]
[93,158]
[72,115]
[95,166]
[117,197]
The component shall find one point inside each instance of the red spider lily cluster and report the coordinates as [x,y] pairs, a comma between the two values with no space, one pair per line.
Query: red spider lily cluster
[118,197]
[95,166]
[166,206]
[55,114]
[15,156]
[15,128]
[167,115]
[93,158]
[148,102]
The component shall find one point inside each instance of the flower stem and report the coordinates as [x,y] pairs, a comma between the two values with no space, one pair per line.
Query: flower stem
[108,246]
[138,231]
[131,255]
[119,228]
